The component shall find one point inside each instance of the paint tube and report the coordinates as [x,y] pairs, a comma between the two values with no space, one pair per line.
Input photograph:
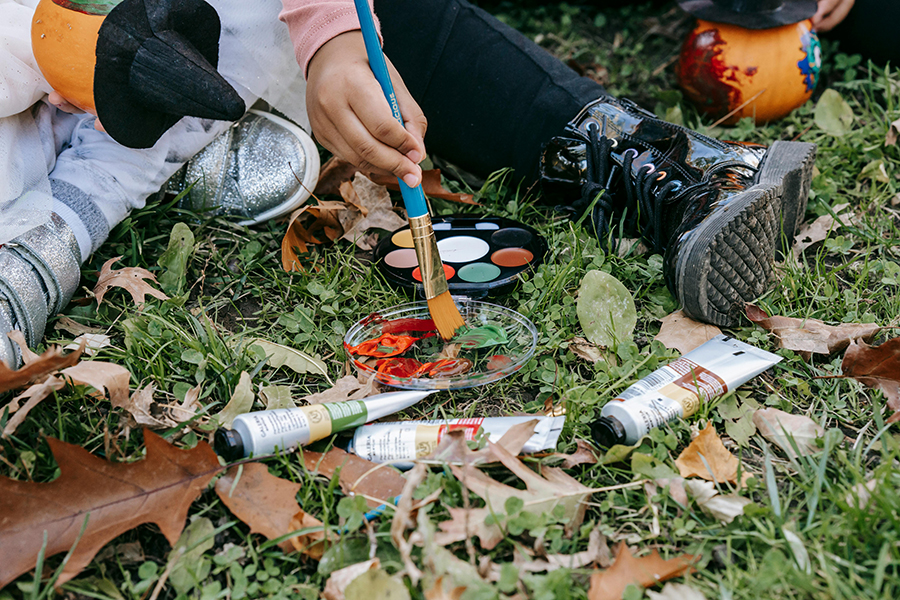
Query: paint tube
[264,432]
[678,389]
[403,441]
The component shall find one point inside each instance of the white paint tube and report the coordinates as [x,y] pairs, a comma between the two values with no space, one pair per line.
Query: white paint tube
[397,442]
[678,389]
[265,431]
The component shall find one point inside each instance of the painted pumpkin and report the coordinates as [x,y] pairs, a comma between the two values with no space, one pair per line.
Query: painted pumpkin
[69,28]
[758,73]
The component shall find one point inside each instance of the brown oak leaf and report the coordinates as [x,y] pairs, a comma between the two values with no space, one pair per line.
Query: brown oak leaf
[682,333]
[706,457]
[268,504]
[132,279]
[33,396]
[644,572]
[877,367]
[306,226]
[373,210]
[103,498]
[810,336]
[584,454]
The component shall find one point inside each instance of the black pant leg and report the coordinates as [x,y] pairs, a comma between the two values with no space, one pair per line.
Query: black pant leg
[871,29]
[492,97]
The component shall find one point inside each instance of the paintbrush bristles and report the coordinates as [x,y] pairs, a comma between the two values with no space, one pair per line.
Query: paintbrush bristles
[445,315]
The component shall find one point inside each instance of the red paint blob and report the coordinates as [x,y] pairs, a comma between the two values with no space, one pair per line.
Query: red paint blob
[449,272]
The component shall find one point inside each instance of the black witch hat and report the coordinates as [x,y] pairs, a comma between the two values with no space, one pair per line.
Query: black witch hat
[156,63]
[751,14]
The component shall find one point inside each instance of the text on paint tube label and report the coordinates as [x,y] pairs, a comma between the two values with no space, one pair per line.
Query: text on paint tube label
[307,424]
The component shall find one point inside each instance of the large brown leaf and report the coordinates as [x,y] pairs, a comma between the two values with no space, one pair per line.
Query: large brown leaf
[132,279]
[876,367]
[306,226]
[645,571]
[268,504]
[810,336]
[110,498]
[378,483]
[682,333]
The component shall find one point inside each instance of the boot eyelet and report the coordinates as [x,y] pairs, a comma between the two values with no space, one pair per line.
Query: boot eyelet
[634,153]
[652,168]
[591,125]
[661,175]
[615,142]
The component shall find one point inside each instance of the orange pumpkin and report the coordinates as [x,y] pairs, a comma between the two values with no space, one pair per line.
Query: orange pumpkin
[758,73]
[63,28]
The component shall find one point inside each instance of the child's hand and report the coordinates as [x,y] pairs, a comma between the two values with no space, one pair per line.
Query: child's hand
[830,13]
[350,116]
[57,100]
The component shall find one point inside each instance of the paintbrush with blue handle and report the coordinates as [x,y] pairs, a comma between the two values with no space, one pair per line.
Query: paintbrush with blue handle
[440,304]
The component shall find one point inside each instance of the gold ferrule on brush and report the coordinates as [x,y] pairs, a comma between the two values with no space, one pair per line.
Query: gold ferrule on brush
[433,278]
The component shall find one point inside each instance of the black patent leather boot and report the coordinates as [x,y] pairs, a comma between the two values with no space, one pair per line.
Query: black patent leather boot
[717,211]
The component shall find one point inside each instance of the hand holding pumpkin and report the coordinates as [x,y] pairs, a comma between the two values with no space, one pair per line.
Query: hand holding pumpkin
[350,117]
[830,13]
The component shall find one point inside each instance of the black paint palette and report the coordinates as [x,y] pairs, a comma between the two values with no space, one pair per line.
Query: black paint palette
[481,255]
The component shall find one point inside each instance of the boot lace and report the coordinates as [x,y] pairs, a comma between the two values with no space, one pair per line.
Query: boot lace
[647,193]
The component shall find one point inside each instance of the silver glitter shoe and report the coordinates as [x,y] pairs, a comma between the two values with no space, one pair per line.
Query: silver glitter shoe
[261,168]
[39,272]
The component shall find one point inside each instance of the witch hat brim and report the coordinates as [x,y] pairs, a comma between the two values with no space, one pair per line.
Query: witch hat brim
[751,14]
[156,63]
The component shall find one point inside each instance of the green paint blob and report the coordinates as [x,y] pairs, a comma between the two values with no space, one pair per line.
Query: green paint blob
[479,272]
[481,337]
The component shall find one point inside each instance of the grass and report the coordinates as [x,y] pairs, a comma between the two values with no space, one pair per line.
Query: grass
[805,535]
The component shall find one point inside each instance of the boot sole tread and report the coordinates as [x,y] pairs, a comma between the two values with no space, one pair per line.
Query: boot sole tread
[730,259]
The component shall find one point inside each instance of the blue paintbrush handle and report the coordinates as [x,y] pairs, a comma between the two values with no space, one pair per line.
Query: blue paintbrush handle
[413,198]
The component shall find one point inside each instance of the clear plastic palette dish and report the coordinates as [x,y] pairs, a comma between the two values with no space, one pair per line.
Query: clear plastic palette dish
[488,364]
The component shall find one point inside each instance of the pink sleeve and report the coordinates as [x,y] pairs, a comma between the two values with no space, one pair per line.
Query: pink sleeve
[314,22]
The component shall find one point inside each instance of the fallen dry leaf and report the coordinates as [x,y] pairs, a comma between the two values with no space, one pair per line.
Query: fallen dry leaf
[810,336]
[93,343]
[305,226]
[706,457]
[818,230]
[877,367]
[682,333]
[131,279]
[674,485]
[676,591]
[106,378]
[74,327]
[643,572]
[33,396]
[268,504]
[439,591]
[378,483]
[544,492]
[780,427]
[374,210]
[722,507]
[147,412]
[276,397]
[35,369]
[582,348]
[596,553]
[346,388]
[454,449]
[893,131]
[584,454]
[105,498]
[431,185]
[340,579]
[334,172]
[278,355]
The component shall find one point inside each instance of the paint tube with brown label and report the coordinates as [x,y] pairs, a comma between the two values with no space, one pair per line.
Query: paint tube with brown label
[404,441]
[678,389]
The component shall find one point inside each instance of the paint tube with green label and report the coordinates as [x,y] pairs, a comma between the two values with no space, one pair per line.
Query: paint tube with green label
[264,432]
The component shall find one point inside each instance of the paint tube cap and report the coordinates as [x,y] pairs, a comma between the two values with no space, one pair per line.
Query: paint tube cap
[228,444]
[608,431]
